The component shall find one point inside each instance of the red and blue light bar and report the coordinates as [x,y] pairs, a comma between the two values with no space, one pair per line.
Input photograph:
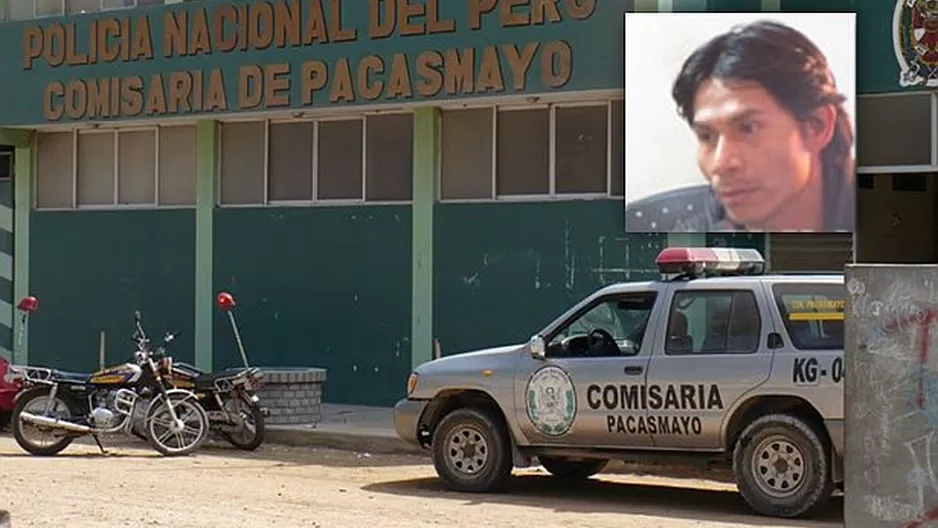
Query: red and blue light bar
[693,261]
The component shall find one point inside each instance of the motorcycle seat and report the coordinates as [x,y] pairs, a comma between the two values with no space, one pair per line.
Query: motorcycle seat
[70,377]
[188,368]
[221,374]
[208,380]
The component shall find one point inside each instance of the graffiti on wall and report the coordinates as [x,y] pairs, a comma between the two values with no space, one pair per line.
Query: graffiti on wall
[899,407]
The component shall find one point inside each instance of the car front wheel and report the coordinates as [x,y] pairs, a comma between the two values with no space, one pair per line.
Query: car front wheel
[472,451]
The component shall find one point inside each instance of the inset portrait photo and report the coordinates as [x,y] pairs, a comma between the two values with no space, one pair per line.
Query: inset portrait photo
[740,122]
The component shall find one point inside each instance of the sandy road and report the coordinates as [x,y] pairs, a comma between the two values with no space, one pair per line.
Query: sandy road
[303,487]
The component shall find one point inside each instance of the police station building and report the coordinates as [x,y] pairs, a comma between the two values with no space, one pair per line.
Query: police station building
[373,180]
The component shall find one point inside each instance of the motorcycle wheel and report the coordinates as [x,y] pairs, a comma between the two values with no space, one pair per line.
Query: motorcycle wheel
[36,401]
[158,425]
[251,414]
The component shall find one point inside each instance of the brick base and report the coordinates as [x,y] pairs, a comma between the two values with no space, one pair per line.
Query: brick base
[293,396]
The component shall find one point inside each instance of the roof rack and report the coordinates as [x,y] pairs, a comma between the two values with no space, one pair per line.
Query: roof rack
[687,263]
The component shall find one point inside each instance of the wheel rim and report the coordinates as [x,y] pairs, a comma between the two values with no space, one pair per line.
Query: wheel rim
[467,450]
[247,426]
[778,467]
[168,435]
[47,436]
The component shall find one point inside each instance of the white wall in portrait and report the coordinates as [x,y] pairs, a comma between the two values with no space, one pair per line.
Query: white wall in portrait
[660,149]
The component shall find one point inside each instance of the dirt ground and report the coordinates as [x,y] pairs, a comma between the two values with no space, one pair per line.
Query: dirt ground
[306,487]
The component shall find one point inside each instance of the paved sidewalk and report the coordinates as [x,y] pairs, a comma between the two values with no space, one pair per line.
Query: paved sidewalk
[355,427]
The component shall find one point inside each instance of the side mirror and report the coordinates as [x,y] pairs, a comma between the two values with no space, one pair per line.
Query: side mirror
[536,347]
[225,301]
[28,304]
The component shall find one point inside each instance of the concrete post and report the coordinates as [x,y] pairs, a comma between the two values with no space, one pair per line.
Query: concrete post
[891,395]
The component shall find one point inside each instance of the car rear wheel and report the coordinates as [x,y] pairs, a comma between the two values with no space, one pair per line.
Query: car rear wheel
[569,469]
[781,467]
[472,451]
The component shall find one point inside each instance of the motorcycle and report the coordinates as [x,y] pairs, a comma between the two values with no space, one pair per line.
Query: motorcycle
[229,396]
[109,401]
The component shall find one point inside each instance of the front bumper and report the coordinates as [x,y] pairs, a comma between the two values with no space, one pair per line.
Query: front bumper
[407,414]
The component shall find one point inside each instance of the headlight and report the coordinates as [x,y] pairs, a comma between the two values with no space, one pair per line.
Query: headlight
[411,383]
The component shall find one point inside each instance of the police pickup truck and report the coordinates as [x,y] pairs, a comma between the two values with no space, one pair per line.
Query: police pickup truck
[717,361]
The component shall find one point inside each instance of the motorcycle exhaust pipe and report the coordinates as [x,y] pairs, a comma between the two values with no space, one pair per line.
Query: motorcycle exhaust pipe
[54,422]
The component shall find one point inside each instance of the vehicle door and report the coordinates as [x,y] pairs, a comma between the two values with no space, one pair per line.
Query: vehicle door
[810,360]
[586,389]
[712,351]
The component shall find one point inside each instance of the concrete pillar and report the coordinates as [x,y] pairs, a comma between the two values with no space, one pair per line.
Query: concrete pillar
[206,193]
[425,178]
[23,142]
[890,395]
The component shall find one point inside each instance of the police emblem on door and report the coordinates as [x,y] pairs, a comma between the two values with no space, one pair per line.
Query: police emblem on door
[915,41]
[551,401]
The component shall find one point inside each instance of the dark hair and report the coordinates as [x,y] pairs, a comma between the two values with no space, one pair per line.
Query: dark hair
[796,73]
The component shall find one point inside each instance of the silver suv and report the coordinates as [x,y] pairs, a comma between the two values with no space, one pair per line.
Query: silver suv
[716,361]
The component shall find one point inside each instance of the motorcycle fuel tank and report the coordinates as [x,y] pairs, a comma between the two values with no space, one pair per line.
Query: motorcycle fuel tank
[117,375]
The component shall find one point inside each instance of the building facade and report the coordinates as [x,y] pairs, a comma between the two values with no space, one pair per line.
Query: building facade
[373,180]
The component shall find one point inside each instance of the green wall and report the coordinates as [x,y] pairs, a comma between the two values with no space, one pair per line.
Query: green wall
[326,287]
[505,270]
[91,270]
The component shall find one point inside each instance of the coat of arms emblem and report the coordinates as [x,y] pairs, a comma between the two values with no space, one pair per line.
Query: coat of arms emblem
[915,41]
[551,401]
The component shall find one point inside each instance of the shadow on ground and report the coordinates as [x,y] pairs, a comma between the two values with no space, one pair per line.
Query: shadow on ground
[603,496]
[313,456]
[119,446]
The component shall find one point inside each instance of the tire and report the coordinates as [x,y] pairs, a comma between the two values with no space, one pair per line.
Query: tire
[5,419]
[17,424]
[809,490]
[259,429]
[572,469]
[495,461]
[181,403]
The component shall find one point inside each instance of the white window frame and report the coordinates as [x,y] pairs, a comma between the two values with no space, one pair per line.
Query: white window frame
[64,9]
[114,205]
[7,157]
[315,200]
[553,150]
[552,194]
[933,140]
[115,196]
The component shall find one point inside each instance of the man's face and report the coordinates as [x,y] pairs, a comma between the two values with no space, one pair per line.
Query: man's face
[751,150]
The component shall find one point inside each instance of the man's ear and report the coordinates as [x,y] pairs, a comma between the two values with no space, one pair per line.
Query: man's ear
[819,127]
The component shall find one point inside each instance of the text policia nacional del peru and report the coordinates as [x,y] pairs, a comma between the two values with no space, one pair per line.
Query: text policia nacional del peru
[476,68]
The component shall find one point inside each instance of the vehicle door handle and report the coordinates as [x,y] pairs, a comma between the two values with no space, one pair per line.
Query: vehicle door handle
[633,370]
